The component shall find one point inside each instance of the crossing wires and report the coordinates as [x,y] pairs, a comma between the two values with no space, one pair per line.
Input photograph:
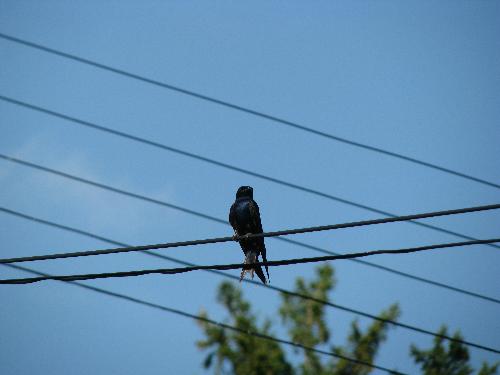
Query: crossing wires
[258,284]
[220,164]
[243,109]
[285,262]
[284,122]
[267,234]
[212,322]
[218,220]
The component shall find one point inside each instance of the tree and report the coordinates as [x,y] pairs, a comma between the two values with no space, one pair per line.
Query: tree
[245,354]
[241,354]
[454,361]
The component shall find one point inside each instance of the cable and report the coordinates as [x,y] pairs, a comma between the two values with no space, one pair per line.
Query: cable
[314,131]
[218,220]
[172,271]
[247,110]
[224,274]
[266,234]
[223,165]
[210,321]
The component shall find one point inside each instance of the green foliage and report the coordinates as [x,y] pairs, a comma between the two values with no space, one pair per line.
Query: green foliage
[306,322]
[244,354]
[306,319]
[364,346]
[452,361]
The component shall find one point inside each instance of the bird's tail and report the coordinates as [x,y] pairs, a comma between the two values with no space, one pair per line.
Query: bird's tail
[251,258]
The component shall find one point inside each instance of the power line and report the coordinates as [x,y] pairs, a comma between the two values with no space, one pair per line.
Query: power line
[223,165]
[285,262]
[218,220]
[266,234]
[247,110]
[307,129]
[211,321]
[268,286]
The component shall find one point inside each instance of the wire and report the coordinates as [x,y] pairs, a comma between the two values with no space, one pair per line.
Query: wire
[218,220]
[224,274]
[300,127]
[223,165]
[210,321]
[173,271]
[247,110]
[266,234]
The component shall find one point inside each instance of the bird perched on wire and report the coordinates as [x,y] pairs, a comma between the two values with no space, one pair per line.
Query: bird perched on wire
[244,217]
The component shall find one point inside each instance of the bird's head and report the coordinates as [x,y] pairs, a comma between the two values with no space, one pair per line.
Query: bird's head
[245,191]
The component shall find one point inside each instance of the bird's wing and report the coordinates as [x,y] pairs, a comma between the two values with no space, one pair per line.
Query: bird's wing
[257,224]
[255,216]
[232,216]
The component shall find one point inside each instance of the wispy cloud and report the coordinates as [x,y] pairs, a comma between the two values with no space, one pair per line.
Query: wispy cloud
[70,201]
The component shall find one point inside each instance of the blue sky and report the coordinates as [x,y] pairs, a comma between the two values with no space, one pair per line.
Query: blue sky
[419,78]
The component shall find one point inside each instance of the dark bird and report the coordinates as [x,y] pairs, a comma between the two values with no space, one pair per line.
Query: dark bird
[244,217]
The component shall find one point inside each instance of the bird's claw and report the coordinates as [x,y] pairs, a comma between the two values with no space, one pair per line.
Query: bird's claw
[237,237]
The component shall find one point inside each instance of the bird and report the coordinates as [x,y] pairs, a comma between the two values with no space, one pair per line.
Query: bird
[244,217]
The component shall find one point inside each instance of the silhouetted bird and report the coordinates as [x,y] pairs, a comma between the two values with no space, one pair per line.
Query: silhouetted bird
[244,217]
